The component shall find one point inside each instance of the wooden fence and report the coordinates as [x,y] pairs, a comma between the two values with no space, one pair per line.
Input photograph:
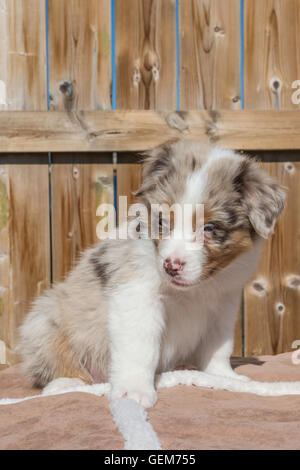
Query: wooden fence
[102,67]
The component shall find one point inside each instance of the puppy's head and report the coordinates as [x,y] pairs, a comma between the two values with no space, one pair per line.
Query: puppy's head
[241,203]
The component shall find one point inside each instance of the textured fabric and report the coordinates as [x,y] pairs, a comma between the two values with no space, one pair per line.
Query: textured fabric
[185,417]
[214,419]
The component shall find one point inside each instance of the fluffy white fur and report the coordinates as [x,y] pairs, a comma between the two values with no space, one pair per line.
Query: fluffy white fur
[119,316]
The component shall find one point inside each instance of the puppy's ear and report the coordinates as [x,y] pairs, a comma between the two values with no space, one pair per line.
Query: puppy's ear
[155,164]
[263,197]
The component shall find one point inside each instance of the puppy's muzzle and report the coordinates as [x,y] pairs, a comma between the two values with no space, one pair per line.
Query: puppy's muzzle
[173,266]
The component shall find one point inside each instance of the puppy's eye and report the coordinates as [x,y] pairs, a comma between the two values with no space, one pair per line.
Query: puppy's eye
[209,228]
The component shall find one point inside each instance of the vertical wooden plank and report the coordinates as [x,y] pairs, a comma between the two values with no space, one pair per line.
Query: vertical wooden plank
[80,78]
[272,60]
[5,280]
[209,41]
[145,68]
[129,179]
[80,54]
[146,54]
[3,54]
[80,183]
[24,201]
[29,234]
[23,54]
[272,296]
[210,54]
[272,300]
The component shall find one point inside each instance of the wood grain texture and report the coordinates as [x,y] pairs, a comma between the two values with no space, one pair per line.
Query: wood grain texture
[24,201]
[103,131]
[145,68]
[146,54]
[209,34]
[5,258]
[272,61]
[23,54]
[80,54]
[78,187]
[129,178]
[272,298]
[80,77]
[210,54]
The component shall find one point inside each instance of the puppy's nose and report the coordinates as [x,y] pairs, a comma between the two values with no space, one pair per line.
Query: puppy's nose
[173,266]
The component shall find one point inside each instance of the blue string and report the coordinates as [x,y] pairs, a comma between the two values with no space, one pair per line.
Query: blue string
[49,153]
[113,89]
[115,186]
[242,52]
[177,58]
[113,55]
[242,107]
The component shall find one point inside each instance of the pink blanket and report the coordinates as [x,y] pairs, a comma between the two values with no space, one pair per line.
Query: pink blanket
[184,417]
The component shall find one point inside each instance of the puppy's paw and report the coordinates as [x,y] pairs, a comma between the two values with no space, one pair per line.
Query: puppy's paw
[146,397]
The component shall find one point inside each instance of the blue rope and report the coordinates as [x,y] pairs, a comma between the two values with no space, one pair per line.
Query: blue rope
[177,58]
[113,55]
[242,52]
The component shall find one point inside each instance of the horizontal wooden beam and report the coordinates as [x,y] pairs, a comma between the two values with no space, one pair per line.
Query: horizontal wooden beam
[97,131]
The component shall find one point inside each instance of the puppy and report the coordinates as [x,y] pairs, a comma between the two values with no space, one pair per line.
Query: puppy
[133,308]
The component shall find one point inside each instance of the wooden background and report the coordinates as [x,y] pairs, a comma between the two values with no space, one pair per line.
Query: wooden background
[139,54]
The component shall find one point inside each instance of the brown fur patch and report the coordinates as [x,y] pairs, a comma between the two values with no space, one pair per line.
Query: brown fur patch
[220,256]
[68,365]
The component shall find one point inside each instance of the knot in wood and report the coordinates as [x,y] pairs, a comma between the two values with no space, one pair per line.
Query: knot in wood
[155,73]
[275,84]
[150,59]
[67,88]
[293,281]
[68,91]
[75,173]
[176,121]
[280,308]
[260,287]
[219,30]
[289,167]
[136,76]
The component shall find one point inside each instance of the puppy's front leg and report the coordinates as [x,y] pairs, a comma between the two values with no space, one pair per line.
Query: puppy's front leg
[214,355]
[136,321]
[216,348]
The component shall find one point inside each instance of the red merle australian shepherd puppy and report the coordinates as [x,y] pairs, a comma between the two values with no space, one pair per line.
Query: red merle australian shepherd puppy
[139,306]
